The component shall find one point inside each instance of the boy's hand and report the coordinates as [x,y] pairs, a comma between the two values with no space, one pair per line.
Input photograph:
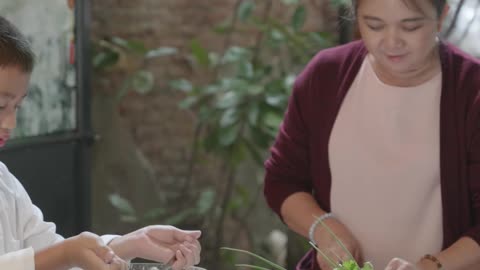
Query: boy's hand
[85,250]
[328,245]
[88,251]
[160,243]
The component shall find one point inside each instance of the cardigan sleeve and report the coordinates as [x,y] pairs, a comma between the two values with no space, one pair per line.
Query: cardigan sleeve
[473,171]
[287,169]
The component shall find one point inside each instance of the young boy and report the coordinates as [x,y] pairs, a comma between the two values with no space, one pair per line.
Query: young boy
[27,242]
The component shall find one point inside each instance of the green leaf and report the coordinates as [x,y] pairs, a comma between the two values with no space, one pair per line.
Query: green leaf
[200,53]
[236,54]
[162,51]
[105,60]
[255,89]
[272,119]
[245,69]
[143,82]
[154,213]
[277,36]
[228,135]
[277,101]
[229,117]
[299,17]
[131,45]
[337,3]
[289,81]
[237,85]
[187,102]
[205,202]
[245,9]
[182,84]
[121,204]
[214,58]
[228,100]
[128,219]
[350,265]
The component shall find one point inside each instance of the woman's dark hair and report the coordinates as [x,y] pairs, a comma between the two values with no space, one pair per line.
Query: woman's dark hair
[438,4]
[15,50]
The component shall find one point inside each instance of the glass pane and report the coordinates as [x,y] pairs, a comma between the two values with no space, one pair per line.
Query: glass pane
[467,27]
[50,104]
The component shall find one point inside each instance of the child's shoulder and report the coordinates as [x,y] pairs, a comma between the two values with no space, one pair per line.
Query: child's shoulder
[8,183]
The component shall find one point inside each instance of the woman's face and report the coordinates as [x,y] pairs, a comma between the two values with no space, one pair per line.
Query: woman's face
[400,37]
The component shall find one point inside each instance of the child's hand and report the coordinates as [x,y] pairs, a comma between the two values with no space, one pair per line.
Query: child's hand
[328,245]
[160,243]
[88,251]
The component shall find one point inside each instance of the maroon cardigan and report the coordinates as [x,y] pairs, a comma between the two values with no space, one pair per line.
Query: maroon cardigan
[299,158]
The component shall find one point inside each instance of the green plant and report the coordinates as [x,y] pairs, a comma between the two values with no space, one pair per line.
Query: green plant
[335,263]
[131,57]
[240,110]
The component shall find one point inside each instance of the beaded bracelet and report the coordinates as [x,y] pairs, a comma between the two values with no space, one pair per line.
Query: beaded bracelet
[315,224]
[433,259]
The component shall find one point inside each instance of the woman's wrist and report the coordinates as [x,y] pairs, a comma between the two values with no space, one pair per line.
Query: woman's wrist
[315,224]
[429,262]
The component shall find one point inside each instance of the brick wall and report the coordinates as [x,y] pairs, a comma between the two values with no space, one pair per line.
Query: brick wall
[152,127]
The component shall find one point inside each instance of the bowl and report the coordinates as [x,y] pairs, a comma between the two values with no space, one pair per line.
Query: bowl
[156,266]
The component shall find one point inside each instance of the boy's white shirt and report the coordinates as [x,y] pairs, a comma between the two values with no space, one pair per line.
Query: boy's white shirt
[22,228]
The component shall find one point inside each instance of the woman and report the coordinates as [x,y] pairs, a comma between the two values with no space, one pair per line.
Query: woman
[381,141]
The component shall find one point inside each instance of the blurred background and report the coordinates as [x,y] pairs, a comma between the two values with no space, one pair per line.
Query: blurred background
[162,111]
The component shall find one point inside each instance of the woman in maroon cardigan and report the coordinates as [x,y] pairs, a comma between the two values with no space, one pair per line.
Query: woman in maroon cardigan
[410,174]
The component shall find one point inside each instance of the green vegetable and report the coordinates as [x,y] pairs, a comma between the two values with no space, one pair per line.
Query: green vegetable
[349,264]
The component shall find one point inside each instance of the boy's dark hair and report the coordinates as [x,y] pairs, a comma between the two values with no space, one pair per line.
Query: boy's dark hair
[15,50]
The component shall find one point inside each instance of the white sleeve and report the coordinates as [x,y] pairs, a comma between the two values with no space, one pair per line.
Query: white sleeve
[107,238]
[34,230]
[18,260]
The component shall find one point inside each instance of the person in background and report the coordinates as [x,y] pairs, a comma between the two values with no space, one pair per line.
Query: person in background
[381,142]
[27,242]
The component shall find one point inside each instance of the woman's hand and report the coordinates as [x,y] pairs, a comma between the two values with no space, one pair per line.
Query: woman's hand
[329,246]
[161,243]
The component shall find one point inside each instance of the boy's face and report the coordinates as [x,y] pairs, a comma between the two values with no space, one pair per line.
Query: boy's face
[13,88]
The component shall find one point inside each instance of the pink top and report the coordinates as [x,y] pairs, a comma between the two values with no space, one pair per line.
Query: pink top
[385,165]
